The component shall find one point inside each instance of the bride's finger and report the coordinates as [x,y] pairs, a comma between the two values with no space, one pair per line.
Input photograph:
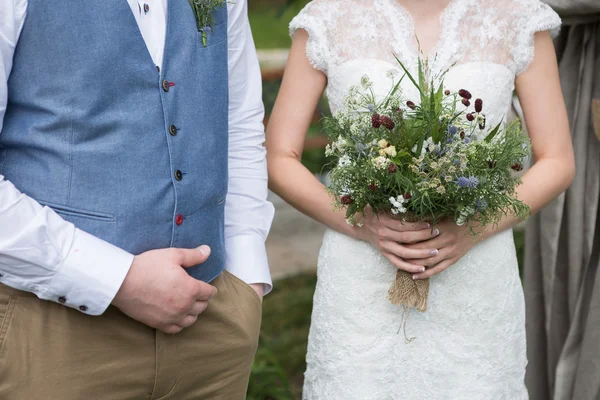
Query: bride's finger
[412,236]
[438,242]
[406,253]
[400,226]
[443,254]
[403,265]
[434,271]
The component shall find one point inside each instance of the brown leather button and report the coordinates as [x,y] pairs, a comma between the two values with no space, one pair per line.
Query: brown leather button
[62,299]
[83,308]
[179,219]
[178,175]
[165,85]
[173,130]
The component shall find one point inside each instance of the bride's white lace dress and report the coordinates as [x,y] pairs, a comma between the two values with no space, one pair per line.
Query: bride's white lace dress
[471,341]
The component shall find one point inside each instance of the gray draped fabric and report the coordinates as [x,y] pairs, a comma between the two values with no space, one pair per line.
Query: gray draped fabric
[562,255]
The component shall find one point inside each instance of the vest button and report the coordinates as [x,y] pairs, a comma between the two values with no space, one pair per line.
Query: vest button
[173,130]
[179,219]
[178,175]
[165,85]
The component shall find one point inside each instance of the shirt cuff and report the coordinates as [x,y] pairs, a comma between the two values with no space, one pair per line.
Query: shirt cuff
[247,259]
[90,275]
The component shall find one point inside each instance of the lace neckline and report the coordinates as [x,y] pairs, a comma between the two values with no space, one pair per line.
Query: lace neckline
[407,48]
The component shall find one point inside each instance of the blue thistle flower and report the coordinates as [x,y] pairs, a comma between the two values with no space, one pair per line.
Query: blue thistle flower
[452,130]
[371,107]
[456,161]
[467,140]
[481,204]
[469,183]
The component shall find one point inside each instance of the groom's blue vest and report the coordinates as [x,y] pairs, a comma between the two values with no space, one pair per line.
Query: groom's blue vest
[131,154]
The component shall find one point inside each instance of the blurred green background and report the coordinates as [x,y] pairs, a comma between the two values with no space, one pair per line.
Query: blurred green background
[280,361]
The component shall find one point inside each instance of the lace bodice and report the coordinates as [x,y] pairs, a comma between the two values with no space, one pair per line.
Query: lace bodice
[484,44]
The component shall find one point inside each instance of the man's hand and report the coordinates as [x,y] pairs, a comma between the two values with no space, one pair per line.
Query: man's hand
[259,288]
[158,292]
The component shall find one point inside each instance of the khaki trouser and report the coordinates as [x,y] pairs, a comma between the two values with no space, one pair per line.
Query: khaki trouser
[51,352]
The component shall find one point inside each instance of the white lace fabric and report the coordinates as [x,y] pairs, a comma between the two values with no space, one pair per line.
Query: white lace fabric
[471,341]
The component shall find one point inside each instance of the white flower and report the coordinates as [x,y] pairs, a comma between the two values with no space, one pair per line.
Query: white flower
[383,143]
[345,161]
[380,162]
[391,151]
[464,215]
[416,147]
[398,205]
[366,82]
[340,144]
[391,74]
[328,151]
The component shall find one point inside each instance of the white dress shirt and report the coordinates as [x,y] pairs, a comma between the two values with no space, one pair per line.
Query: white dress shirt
[42,253]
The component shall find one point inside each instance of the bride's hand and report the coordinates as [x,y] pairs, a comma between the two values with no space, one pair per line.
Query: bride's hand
[453,243]
[391,237]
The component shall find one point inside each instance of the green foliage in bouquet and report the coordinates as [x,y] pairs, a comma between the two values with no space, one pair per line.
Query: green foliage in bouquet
[424,159]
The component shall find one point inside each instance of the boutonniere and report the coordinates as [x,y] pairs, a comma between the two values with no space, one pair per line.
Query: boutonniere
[204,9]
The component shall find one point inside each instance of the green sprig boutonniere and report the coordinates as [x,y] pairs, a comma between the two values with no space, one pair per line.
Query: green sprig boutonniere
[204,9]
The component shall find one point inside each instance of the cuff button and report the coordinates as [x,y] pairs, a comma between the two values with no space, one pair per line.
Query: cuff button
[62,299]
[83,308]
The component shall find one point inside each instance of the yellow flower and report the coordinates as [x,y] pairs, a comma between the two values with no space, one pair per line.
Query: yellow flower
[391,151]
[383,143]
[441,190]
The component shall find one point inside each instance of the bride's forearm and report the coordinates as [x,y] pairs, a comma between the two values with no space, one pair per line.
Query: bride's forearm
[299,187]
[543,182]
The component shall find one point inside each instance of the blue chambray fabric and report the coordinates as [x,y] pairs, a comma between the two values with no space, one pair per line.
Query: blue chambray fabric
[86,130]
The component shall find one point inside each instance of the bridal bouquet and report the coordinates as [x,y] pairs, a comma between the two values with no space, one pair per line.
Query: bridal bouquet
[423,160]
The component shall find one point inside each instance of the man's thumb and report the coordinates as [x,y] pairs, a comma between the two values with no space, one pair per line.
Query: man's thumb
[193,257]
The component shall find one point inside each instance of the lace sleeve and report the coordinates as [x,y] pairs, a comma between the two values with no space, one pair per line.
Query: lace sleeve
[530,17]
[311,19]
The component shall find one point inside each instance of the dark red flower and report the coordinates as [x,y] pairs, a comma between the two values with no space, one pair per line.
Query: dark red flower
[470,117]
[478,105]
[492,163]
[376,121]
[392,168]
[387,122]
[462,134]
[466,102]
[517,167]
[465,94]
[447,93]
[373,187]
[346,200]
[411,105]
[407,196]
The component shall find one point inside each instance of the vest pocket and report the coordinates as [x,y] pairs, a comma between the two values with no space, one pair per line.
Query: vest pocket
[67,211]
